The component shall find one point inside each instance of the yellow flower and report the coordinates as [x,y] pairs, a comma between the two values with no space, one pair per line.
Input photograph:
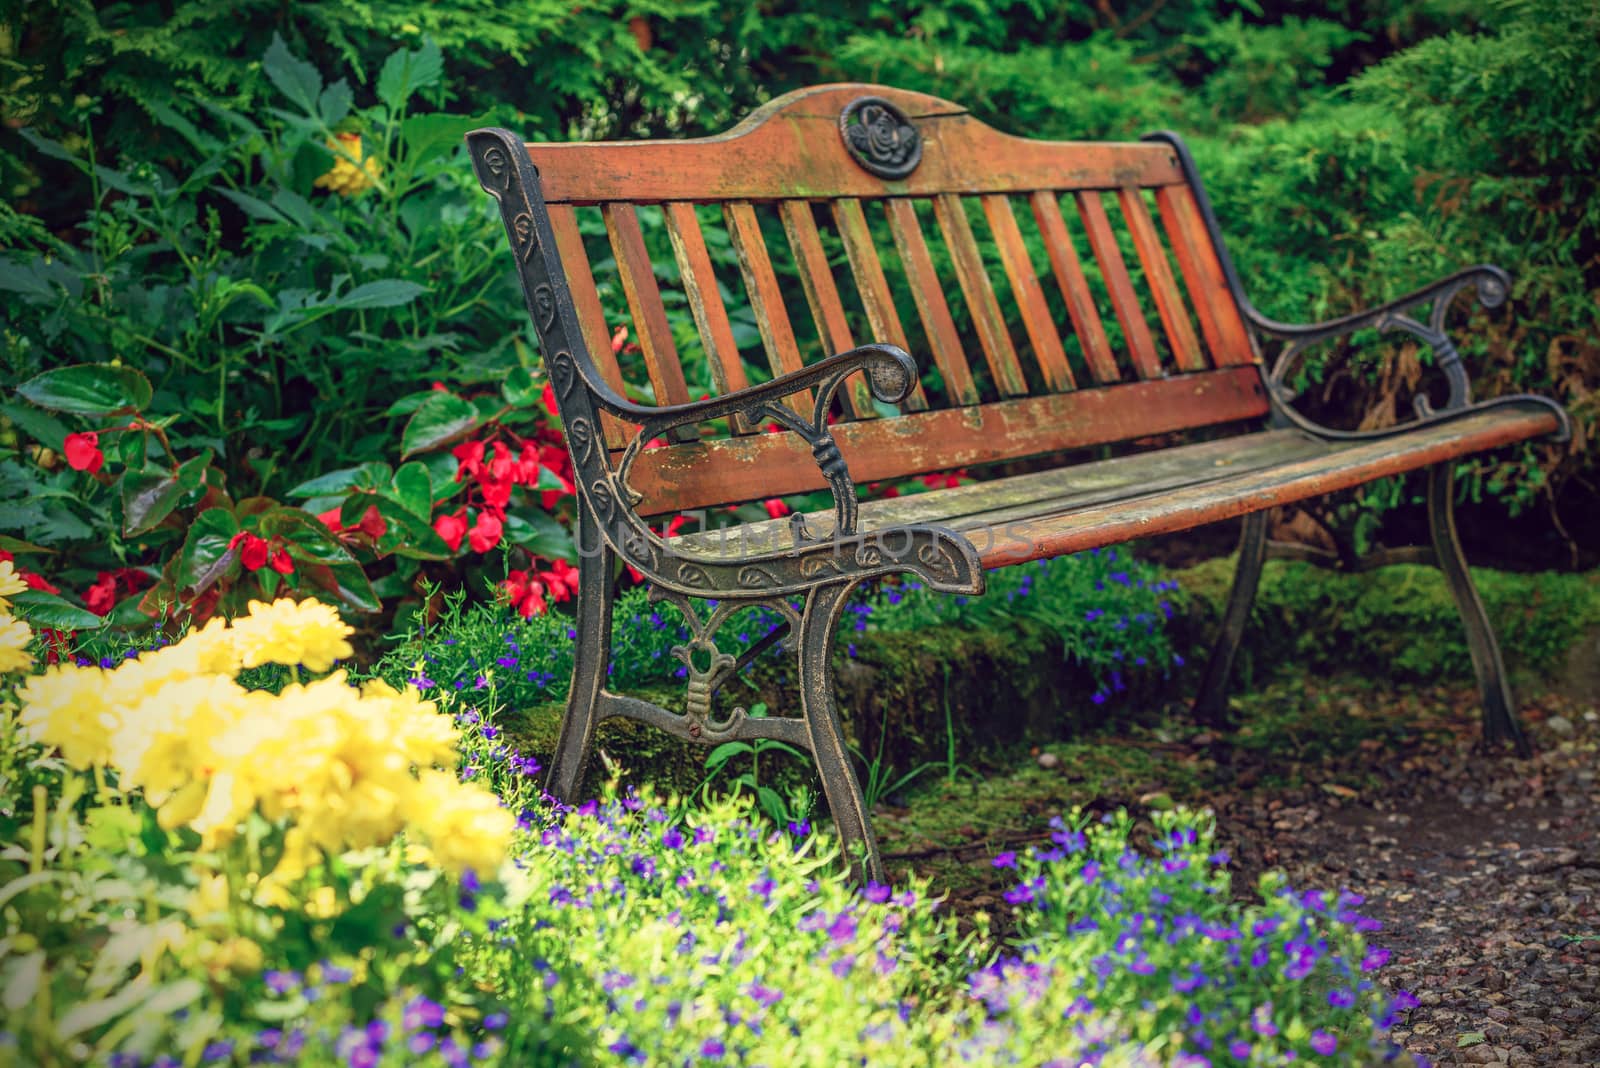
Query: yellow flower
[466,826]
[67,708]
[289,632]
[10,583]
[351,174]
[427,737]
[14,639]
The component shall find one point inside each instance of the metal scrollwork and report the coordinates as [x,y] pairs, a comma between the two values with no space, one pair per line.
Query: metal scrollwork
[880,137]
[707,667]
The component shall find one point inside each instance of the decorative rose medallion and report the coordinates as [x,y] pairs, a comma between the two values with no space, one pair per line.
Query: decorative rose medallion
[880,137]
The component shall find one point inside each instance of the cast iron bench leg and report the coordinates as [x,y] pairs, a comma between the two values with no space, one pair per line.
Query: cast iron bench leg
[824,605]
[1211,703]
[590,659]
[1499,712]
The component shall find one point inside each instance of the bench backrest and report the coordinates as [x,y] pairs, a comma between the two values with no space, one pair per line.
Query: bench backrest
[827,193]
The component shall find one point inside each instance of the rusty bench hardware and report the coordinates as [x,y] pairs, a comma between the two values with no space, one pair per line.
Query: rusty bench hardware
[862,160]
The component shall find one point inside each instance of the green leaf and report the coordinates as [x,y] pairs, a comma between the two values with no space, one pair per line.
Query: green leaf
[409,403]
[304,536]
[413,490]
[17,545]
[724,753]
[1471,1038]
[520,390]
[295,78]
[334,103]
[429,135]
[347,582]
[542,535]
[441,418]
[88,389]
[205,555]
[404,72]
[408,534]
[367,475]
[45,429]
[24,278]
[148,497]
[43,609]
[384,293]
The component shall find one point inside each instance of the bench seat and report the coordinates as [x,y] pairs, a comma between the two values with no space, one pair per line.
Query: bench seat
[1064,510]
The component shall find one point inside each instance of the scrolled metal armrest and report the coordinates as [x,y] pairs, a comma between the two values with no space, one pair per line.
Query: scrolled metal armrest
[1493,286]
[891,374]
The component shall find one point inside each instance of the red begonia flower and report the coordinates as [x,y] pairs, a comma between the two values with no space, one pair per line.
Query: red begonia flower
[470,456]
[776,508]
[372,524]
[561,581]
[330,519]
[452,528]
[101,596]
[282,562]
[485,533]
[526,593]
[252,550]
[548,397]
[83,452]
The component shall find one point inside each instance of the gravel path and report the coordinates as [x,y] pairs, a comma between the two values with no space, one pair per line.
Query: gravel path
[1485,871]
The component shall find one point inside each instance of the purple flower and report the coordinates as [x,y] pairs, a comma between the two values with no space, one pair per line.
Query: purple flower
[875,892]
[1323,1042]
[672,838]
[1007,859]
[1375,959]
[1261,1021]
[494,1021]
[712,1048]
[421,1012]
[282,982]
[765,996]
[1340,998]
[799,828]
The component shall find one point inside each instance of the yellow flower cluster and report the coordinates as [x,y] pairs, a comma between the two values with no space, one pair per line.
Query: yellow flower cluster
[348,178]
[14,634]
[337,764]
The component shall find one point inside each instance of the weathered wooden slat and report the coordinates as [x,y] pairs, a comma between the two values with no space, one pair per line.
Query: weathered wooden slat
[697,474]
[591,315]
[1340,468]
[1074,287]
[1042,334]
[928,292]
[1157,272]
[766,298]
[644,304]
[1220,320]
[792,148]
[872,285]
[1050,513]
[973,277]
[705,301]
[1038,493]
[1124,301]
[822,295]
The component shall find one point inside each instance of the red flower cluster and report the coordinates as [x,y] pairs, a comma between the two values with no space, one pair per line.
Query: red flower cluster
[101,597]
[372,524]
[527,589]
[493,468]
[255,553]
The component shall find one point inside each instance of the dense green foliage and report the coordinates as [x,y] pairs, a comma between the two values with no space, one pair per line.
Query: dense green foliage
[266,212]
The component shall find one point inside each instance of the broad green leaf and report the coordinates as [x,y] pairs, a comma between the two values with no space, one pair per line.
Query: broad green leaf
[334,103]
[384,293]
[25,279]
[347,582]
[41,427]
[443,417]
[192,472]
[205,555]
[17,545]
[304,535]
[366,474]
[295,78]
[408,534]
[148,497]
[88,389]
[41,609]
[429,135]
[409,403]
[404,72]
[412,489]
[520,390]
[255,207]
[542,535]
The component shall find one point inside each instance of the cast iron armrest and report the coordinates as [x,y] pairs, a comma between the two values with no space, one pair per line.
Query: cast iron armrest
[1493,285]
[891,374]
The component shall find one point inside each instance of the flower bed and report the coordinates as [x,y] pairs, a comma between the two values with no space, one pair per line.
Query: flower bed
[212,874]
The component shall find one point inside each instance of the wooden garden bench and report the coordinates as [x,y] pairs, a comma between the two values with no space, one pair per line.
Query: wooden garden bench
[829,197]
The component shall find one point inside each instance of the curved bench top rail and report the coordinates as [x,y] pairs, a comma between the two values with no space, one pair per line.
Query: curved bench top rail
[791,148]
